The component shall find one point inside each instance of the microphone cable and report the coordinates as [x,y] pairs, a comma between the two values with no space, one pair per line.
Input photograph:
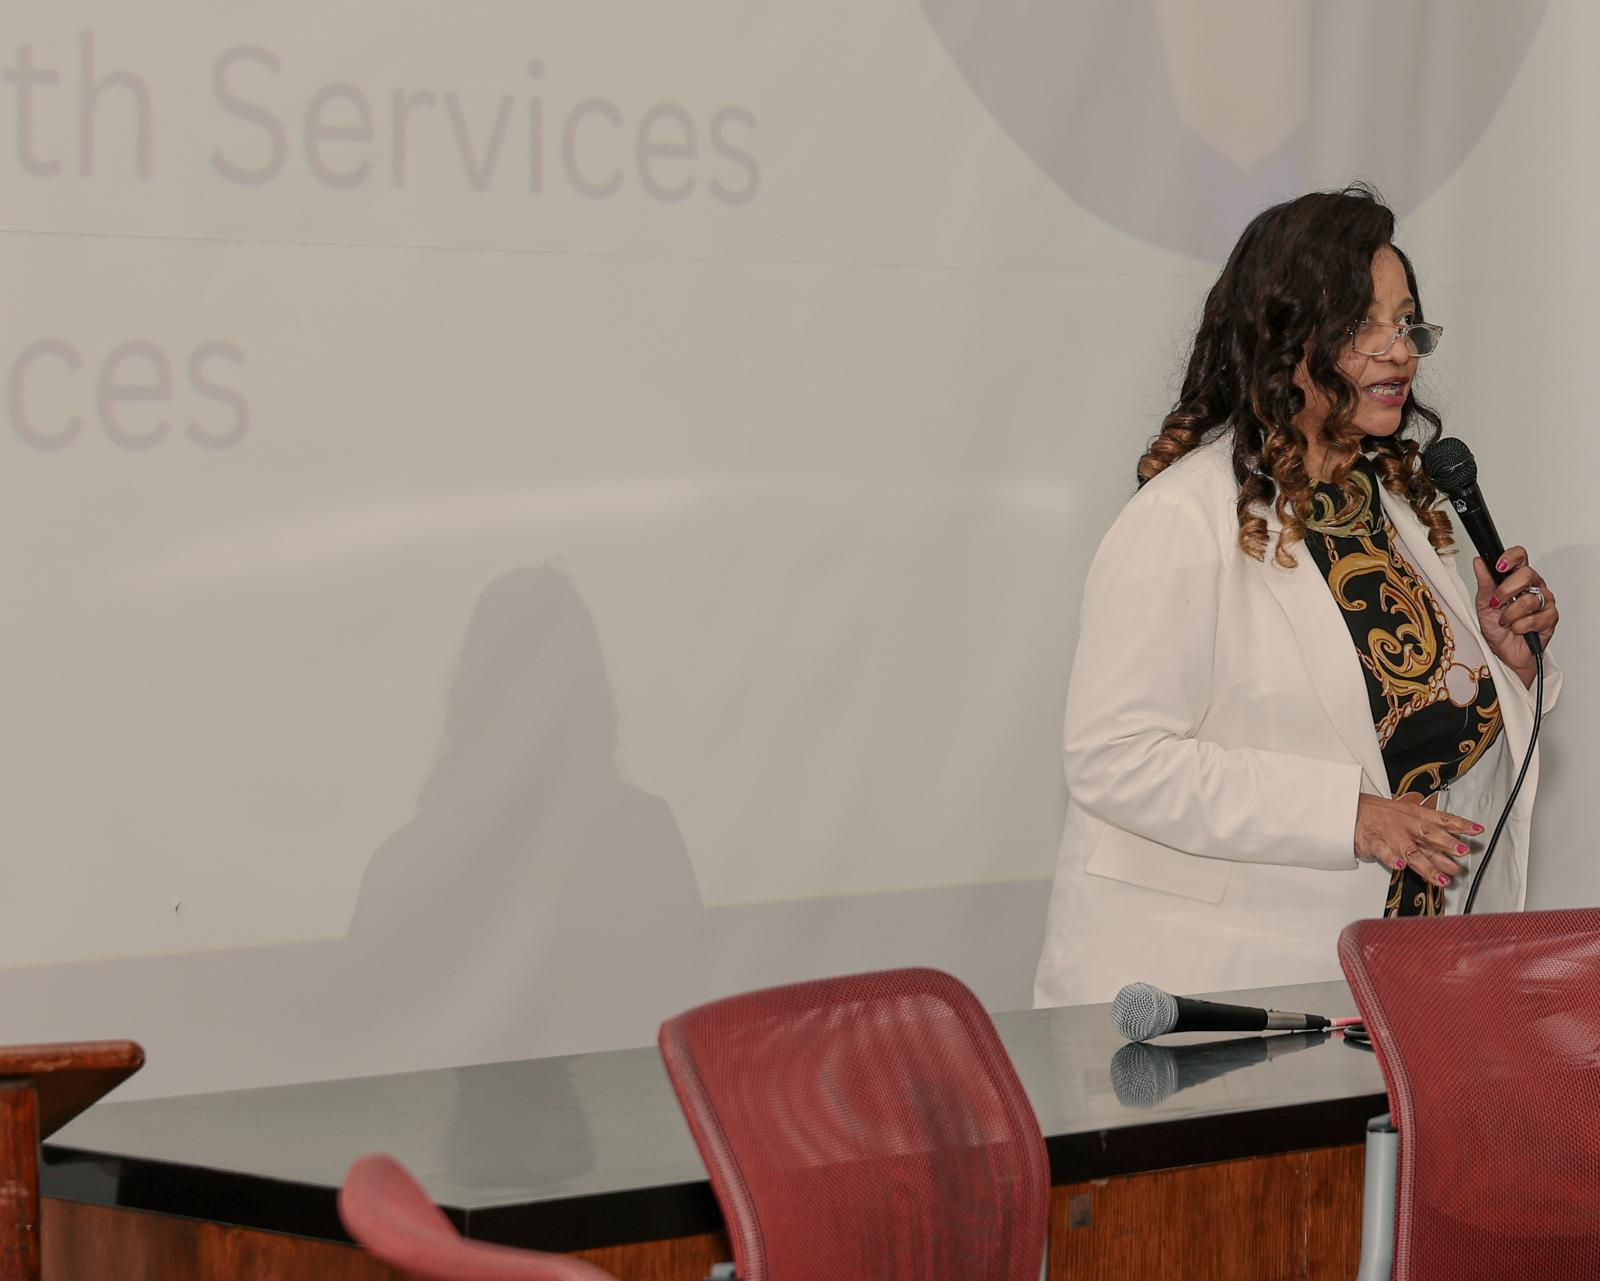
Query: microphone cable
[1533,741]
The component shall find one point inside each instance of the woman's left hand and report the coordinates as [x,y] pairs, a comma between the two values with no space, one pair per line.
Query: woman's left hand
[1521,603]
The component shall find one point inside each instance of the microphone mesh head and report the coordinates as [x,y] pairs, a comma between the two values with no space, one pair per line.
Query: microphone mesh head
[1141,1011]
[1450,464]
[1143,1075]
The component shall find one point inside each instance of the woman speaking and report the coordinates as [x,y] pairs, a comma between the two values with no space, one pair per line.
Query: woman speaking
[1286,712]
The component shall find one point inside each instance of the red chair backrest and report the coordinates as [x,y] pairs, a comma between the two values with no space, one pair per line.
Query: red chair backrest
[387,1211]
[866,1128]
[1487,1029]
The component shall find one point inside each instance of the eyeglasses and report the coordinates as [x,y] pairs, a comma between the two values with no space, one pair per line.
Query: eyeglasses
[1370,338]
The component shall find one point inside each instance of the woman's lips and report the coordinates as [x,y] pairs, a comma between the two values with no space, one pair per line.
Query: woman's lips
[1391,393]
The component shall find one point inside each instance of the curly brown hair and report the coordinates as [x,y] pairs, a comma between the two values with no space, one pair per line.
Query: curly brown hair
[1296,283]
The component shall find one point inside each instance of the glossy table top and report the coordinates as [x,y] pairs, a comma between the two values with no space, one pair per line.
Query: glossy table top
[586,1150]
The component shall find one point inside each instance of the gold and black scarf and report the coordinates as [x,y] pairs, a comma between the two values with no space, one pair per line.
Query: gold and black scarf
[1435,716]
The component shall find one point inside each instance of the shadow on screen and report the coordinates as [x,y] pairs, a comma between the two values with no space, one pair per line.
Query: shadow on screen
[535,904]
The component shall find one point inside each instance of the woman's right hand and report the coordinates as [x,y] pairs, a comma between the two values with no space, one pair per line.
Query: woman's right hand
[1404,833]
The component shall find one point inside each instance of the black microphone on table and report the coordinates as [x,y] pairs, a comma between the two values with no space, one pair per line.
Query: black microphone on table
[1451,466]
[1142,1010]
[1145,1075]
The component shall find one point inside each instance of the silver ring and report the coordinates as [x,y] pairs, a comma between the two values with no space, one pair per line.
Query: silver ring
[1537,591]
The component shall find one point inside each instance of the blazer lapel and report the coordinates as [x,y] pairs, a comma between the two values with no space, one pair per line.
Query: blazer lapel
[1439,572]
[1516,708]
[1330,655]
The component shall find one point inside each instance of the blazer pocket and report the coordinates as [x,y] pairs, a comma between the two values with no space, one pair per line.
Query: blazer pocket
[1122,856]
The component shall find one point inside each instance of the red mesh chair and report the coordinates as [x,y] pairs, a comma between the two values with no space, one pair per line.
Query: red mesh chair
[868,1127]
[1487,1029]
[387,1211]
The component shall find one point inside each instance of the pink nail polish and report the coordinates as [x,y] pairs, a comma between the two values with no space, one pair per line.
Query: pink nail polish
[1503,565]
[1495,601]
[1477,827]
[1399,865]
[1461,849]
[1443,879]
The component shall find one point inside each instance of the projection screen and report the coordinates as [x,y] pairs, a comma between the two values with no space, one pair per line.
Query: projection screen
[527,516]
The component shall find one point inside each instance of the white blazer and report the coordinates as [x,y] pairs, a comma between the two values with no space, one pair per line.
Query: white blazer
[1218,735]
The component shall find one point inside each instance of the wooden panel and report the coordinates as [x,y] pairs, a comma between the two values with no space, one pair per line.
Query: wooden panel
[70,1075]
[1235,1221]
[19,1181]
[682,1259]
[1333,1228]
[1264,1219]
[97,1243]
[1296,1216]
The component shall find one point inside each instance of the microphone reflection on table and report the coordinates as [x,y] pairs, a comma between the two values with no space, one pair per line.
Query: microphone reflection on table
[1144,1075]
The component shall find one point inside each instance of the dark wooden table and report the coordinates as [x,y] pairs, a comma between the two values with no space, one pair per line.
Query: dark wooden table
[1238,1159]
[42,1087]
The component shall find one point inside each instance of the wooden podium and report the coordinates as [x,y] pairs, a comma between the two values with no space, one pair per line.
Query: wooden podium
[42,1087]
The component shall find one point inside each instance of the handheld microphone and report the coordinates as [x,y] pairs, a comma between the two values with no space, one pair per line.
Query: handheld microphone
[1451,466]
[1145,1075]
[1141,1011]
